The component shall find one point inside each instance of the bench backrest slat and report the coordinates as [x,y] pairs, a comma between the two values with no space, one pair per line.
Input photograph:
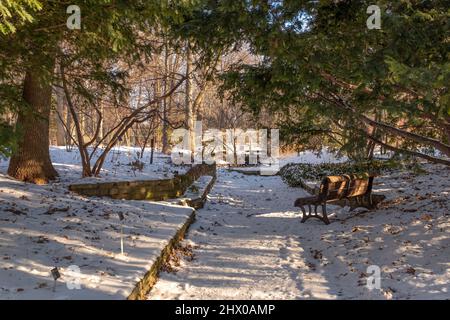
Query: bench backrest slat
[333,187]
[345,186]
[357,187]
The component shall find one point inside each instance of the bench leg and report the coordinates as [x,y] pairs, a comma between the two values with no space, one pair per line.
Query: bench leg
[306,215]
[324,214]
[365,201]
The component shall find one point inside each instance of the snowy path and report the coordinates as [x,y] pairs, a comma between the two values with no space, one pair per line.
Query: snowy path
[245,250]
[249,244]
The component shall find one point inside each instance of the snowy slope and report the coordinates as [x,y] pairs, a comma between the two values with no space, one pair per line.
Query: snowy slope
[249,244]
[42,227]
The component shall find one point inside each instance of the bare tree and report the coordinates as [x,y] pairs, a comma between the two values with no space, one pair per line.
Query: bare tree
[130,116]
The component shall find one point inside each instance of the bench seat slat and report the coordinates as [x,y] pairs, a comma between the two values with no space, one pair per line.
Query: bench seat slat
[307,200]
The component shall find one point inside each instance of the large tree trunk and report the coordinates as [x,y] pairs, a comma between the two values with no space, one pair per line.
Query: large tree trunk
[31,161]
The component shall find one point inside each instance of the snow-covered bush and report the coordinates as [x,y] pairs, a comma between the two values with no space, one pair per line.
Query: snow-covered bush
[294,173]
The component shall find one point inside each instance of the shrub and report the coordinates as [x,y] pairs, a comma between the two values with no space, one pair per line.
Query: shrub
[295,173]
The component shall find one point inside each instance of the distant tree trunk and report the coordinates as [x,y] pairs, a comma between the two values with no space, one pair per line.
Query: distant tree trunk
[370,150]
[447,128]
[69,142]
[82,123]
[60,108]
[101,123]
[152,150]
[127,139]
[31,161]
[165,125]
[165,130]
[189,112]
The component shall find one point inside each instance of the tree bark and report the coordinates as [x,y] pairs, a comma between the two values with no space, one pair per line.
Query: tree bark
[31,161]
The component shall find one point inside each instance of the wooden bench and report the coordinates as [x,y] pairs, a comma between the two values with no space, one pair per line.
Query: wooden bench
[347,190]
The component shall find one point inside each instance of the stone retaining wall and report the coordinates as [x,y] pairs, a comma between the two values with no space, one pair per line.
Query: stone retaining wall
[156,190]
[144,286]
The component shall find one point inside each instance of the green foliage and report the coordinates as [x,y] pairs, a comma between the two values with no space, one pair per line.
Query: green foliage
[114,35]
[312,52]
[295,173]
[16,13]
[418,170]
[7,140]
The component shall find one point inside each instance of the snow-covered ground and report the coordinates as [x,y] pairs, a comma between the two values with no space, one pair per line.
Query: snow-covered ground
[248,243]
[42,227]
[117,166]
